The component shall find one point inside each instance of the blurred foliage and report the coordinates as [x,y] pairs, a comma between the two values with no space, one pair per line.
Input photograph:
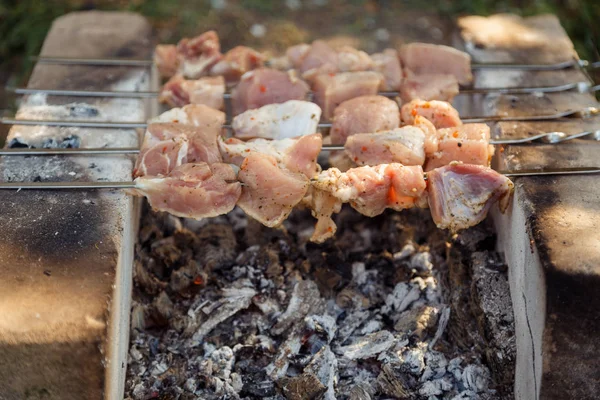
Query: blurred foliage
[24,23]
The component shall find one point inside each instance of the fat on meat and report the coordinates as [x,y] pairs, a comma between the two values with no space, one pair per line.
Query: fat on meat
[278,121]
[372,189]
[166,59]
[197,55]
[297,155]
[350,59]
[425,58]
[440,113]
[269,192]
[331,90]
[364,114]
[431,134]
[460,195]
[387,63]
[178,91]
[468,143]
[428,87]
[404,145]
[164,148]
[322,205]
[236,62]
[196,191]
[198,115]
[264,86]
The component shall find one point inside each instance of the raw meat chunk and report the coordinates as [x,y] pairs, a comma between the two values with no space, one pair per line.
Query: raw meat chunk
[440,113]
[404,145]
[178,92]
[469,143]
[425,58]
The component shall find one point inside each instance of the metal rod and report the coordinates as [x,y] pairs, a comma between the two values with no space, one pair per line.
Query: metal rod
[80,124]
[580,86]
[131,185]
[116,62]
[127,62]
[78,151]
[66,185]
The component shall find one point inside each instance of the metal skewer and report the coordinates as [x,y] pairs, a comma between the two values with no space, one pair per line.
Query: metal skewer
[583,113]
[547,137]
[127,62]
[581,87]
[131,185]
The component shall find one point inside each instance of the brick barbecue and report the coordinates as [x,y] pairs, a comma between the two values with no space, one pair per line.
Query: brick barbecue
[226,308]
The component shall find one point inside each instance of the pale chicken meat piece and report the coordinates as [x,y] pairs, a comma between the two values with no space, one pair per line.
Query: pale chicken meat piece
[164,148]
[440,113]
[178,91]
[198,115]
[460,195]
[431,134]
[332,90]
[267,86]
[350,59]
[468,143]
[388,64]
[404,145]
[428,87]
[295,54]
[322,205]
[166,59]
[278,121]
[269,192]
[296,155]
[236,62]
[370,190]
[425,58]
[197,55]
[320,58]
[192,190]
[364,114]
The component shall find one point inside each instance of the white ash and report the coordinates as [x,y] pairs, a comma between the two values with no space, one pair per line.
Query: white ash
[272,316]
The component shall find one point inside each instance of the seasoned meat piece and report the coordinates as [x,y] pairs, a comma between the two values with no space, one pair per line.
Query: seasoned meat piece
[236,62]
[198,115]
[460,195]
[322,205]
[332,90]
[320,58]
[350,59]
[199,54]
[388,65]
[364,114]
[431,135]
[270,192]
[404,145]
[166,59]
[192,190]
[440,113]
[428,87]
[164,148]
[425,58]
[296,155]
[178,92]
[295,54]
[266,86]
[370,190]
[469,143]
[278,121]
[161,157]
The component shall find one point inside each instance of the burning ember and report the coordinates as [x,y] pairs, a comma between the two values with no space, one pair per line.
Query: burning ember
[226,308]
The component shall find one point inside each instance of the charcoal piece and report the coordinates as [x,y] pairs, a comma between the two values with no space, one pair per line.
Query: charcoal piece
[317,379]
[368,346]
[305,298]
[82,110]
[233,300]
[50,143]
[257,384]
[348,325]
[417,321]
[162,309]
[289,348]
[403,295]
[391,384]
[71,142]
[18,143]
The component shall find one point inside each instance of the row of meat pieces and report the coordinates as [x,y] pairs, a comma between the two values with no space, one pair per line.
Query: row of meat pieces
[458,195]
[194,133]
[429,72]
